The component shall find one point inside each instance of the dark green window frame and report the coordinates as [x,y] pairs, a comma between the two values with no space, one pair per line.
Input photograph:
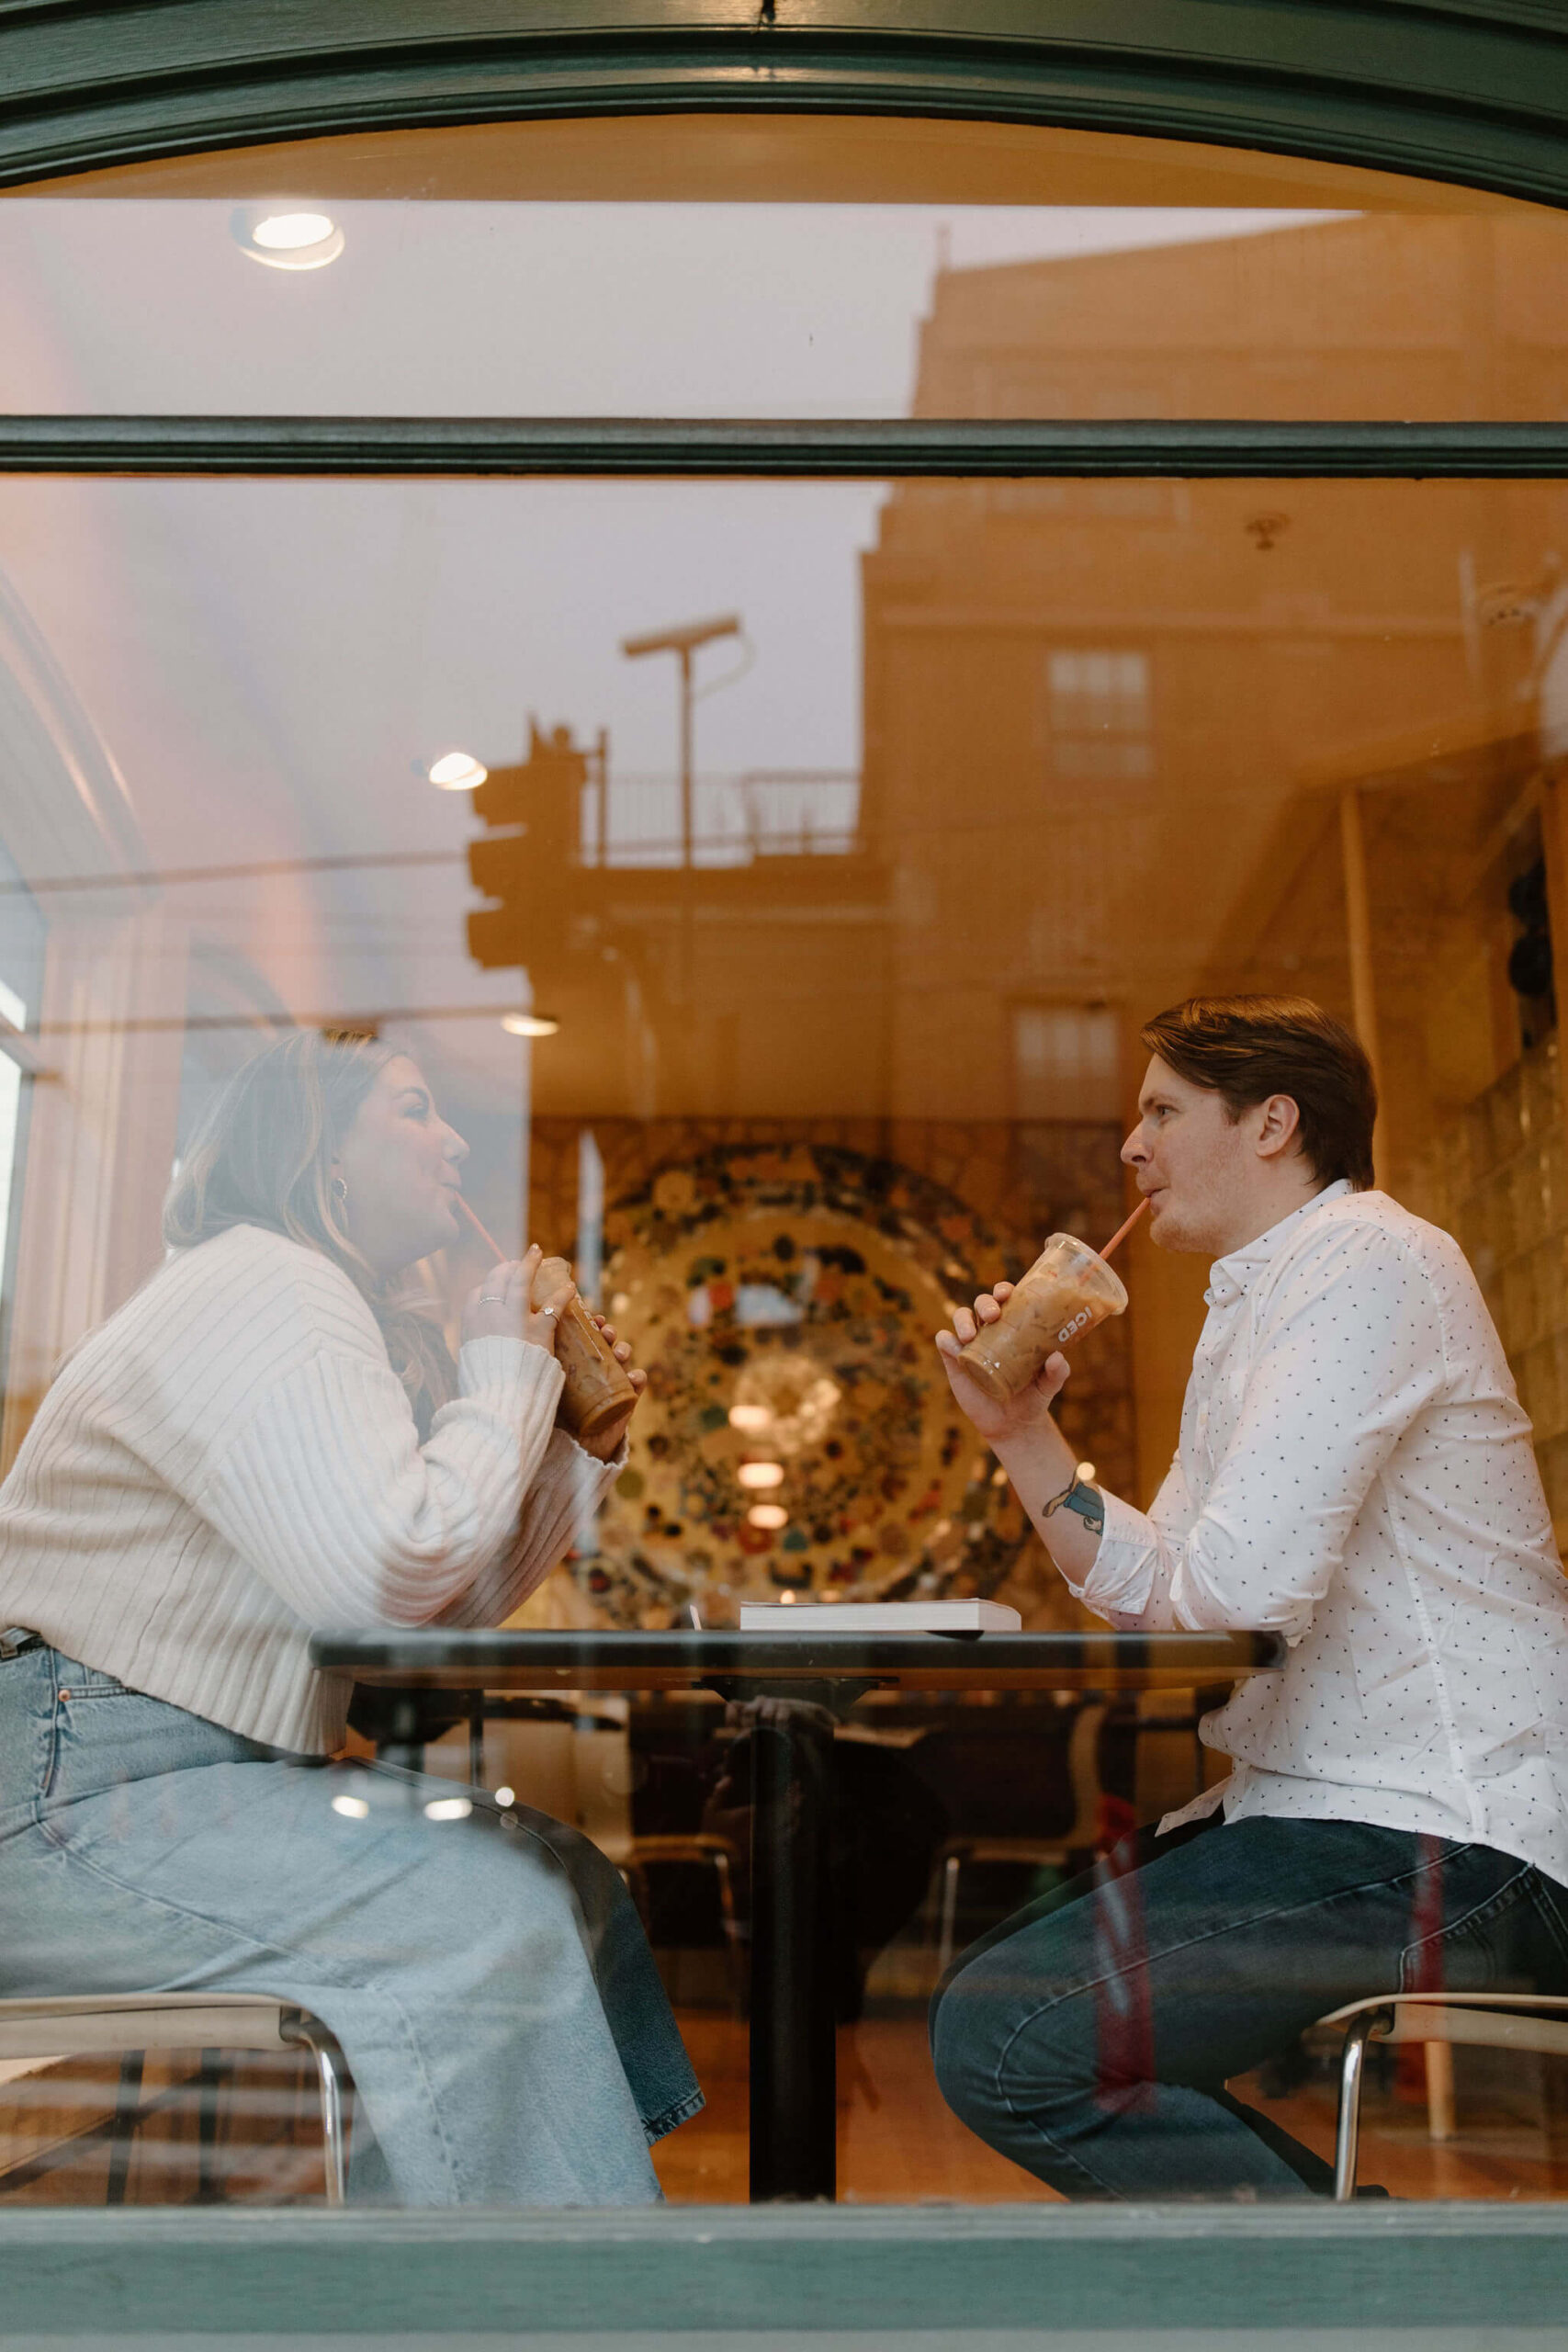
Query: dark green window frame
[1473,92]
[624,445]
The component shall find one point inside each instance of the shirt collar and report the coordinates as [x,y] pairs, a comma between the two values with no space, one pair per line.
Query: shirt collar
[1232,1277]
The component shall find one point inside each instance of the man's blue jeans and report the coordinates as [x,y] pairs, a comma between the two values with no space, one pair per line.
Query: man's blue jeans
[1090,2037]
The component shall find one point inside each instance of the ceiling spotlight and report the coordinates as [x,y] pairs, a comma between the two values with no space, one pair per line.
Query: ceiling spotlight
[457,771]
[287,237]
[767,1515]
[760,1474]
[529,1024]
[755,1418]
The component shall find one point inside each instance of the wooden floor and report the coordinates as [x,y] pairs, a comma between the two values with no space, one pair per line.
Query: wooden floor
[897,2142]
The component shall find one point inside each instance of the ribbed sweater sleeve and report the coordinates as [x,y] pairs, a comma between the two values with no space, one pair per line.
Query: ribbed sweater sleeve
[560,1504]
[323,1488]
[230,1464]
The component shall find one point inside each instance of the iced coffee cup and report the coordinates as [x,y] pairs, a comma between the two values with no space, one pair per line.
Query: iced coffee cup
[1066,1293]
[597,1392]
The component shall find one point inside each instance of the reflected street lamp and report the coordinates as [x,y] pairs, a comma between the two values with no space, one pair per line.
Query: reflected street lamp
[685,641]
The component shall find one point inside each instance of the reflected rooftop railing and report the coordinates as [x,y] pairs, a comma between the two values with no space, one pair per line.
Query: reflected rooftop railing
[635,820]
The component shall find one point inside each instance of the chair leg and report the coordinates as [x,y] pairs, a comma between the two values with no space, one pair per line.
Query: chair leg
[732,1952]
[949,1871]
[1440,2057]
[1347,2142]
[126,2114]
[329,2082]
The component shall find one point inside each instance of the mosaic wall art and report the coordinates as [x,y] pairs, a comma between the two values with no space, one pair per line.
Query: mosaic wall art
[797,1434]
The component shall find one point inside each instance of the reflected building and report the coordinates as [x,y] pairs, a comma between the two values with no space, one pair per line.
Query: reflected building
[1130,739]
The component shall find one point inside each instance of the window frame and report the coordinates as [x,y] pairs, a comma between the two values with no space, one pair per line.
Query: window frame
[1466,91]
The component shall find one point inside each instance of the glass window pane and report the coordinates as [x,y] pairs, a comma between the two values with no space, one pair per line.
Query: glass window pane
[809,267]
[830,843]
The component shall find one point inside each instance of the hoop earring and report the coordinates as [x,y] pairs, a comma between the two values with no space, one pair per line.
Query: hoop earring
[340,1192]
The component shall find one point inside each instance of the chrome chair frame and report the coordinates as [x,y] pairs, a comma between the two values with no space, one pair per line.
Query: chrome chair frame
[133,2023]
[1533,2021]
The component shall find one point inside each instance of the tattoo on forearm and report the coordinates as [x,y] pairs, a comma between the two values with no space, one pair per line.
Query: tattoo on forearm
[1087,1501]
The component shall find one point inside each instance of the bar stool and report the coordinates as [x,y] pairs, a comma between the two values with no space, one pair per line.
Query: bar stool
[130,2024]
[1057,1853]
[707,1852]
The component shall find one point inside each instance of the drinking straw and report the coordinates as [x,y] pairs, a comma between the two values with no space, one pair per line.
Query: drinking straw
[1121,1233]
[494,1246]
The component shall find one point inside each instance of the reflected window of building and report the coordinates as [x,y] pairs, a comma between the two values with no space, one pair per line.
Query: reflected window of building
[1098,716]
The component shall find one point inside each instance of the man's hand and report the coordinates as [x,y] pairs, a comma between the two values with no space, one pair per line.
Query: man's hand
[999,1425]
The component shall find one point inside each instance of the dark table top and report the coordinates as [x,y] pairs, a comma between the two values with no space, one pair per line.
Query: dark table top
[440,1660]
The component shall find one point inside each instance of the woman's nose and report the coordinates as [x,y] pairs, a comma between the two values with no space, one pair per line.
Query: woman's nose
[457,1150]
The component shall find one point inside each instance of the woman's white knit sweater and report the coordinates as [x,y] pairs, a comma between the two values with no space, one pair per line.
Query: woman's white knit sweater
[230,1464]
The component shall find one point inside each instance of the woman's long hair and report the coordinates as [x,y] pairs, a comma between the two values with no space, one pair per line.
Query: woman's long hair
[262,1156]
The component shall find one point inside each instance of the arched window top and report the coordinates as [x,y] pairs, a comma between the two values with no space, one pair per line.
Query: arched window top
[794,265]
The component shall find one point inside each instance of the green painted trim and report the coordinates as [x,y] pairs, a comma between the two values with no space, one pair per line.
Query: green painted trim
[179,2271]
[1473,90]
[315,445]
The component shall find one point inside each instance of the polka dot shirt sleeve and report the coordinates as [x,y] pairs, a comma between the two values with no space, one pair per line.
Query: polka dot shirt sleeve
[1346,1351]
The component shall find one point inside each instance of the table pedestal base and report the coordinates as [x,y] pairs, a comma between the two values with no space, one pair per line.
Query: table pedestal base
[793,2063]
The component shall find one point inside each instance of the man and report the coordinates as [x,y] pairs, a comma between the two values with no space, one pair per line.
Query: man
[1354,1470]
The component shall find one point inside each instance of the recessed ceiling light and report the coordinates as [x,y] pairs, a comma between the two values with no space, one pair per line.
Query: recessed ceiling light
[760,1474]
[749,1417]
[457,771]
[529,1024]
[287,236]
[768,1515]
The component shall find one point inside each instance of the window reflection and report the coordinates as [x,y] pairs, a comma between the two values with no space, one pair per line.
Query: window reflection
[786,1064]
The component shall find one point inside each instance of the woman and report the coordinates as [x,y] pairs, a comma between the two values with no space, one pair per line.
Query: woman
[267,1439]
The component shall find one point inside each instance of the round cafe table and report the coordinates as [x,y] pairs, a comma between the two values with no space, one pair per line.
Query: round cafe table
[792,2079]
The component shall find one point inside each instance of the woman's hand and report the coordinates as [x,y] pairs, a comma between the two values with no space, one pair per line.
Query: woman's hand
[513,1303]
[997,1424]
[607,1444]
[621,1350]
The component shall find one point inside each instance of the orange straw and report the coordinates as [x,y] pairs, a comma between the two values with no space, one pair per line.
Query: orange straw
[1121,1233]
[494,1246]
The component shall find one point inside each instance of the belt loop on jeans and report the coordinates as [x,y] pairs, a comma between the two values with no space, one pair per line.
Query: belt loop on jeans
[16,1640]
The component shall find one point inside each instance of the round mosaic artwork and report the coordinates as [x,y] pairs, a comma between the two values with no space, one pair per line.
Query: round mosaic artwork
[797,1433]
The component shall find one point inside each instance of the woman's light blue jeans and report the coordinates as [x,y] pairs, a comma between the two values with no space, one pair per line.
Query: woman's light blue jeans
[488,1979]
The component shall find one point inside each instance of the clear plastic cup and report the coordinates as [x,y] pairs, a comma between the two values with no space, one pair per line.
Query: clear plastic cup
[1066,1293]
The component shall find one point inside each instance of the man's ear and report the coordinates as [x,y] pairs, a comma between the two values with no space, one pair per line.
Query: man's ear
[1279,1124]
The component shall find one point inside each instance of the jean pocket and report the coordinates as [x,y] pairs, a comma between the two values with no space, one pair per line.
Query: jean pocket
[74,1681]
